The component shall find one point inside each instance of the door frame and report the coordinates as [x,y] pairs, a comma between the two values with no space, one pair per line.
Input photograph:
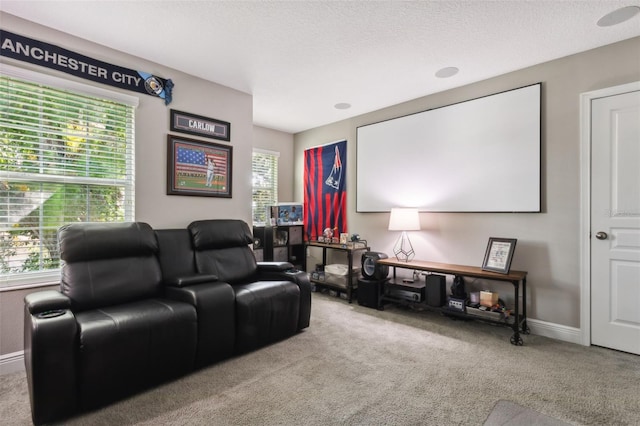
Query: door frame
[585,200]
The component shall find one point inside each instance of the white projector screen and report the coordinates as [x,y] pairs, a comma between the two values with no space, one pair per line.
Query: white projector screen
[481,155]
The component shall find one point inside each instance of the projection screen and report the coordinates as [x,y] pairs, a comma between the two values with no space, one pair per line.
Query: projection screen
[481,155]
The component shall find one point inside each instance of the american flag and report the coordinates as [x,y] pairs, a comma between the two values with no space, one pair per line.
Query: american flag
[190,160]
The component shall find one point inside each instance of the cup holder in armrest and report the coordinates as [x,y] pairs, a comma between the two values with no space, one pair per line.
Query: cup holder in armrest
[51,314]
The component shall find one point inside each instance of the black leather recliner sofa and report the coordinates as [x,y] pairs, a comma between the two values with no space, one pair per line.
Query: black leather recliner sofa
[139,307]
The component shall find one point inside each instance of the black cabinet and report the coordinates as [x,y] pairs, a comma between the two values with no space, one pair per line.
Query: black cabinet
[282,243]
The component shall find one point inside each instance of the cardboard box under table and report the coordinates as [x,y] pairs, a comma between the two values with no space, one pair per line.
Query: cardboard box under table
[488,298]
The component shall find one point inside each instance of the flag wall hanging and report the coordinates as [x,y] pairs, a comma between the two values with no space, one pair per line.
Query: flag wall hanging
[325,189]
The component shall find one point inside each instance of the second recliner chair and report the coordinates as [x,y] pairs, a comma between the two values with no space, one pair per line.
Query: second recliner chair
[272,301]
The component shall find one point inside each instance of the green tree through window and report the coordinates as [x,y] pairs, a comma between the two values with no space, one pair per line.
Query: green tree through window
[64,157]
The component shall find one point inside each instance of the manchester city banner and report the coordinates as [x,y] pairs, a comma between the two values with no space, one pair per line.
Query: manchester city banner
[54,57]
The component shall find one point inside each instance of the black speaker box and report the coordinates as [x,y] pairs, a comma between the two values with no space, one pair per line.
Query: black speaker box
[369,292]
[371,269]
[436,290]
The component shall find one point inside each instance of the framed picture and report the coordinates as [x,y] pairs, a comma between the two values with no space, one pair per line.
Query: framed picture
[198,168]
[200,126]
[499,253]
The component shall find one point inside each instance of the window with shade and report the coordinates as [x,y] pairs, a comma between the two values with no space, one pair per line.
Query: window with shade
[265,183]
[67,155]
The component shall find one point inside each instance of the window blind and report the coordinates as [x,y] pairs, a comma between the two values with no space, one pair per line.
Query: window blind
[65,157]
[265,183]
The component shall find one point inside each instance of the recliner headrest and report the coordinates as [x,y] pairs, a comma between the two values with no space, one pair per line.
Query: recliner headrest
[91,241]
[220,233]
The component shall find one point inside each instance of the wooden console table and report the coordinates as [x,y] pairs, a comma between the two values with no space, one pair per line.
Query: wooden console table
[516,278]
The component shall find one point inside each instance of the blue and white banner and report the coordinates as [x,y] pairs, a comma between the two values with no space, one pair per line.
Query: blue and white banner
[56,58]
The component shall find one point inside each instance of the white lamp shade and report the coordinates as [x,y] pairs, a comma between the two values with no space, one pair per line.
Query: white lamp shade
[404,219]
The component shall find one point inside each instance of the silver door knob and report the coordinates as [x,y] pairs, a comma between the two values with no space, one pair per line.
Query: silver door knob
[601,235]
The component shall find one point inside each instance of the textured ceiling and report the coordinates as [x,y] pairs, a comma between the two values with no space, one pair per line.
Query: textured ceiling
[300,58]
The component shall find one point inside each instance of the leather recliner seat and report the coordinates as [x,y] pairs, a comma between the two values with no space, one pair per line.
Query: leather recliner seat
[267,310]
[109,332]
[138,307]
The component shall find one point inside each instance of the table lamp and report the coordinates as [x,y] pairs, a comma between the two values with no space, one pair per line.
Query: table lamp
[404,219]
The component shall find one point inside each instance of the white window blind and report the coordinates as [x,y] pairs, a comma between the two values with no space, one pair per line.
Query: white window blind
[265,183]
[65,157]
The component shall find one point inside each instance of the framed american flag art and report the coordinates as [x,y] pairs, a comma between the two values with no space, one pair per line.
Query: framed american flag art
[198,168]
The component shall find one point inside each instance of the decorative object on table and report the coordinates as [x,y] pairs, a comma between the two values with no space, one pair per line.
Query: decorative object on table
[198,168]
[370,267]
[325,189]
[328,236]
[404,219]
[499,254]
[200,126]
[458,289]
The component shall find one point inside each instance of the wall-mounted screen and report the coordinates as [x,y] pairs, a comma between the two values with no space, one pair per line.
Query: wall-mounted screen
[481,155]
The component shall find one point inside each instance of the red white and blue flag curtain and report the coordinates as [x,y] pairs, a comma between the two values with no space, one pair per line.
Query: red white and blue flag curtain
[325,189]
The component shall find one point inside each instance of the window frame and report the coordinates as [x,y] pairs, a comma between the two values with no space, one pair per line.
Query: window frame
[34,279]
[275,154]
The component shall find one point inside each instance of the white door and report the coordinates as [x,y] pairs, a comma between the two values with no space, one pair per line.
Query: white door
[615,222]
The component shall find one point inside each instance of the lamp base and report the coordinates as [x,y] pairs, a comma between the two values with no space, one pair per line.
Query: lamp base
[403,248]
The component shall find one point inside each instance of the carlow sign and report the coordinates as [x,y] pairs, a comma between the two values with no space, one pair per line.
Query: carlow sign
[48,55]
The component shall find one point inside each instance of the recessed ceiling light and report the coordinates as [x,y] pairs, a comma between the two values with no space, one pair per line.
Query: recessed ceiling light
[618,16]
[342,105]
[447,72]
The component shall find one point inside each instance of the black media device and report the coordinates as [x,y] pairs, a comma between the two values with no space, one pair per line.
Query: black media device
[436,290]
[370,268]
[410,291]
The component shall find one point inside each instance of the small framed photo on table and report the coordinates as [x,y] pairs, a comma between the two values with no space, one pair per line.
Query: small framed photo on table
[499,254]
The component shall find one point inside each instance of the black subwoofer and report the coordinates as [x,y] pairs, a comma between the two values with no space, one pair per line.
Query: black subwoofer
[369,292]
[436,291]
[371,269]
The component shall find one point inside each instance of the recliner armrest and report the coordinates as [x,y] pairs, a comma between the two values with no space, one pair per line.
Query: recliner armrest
[278,271]
[50,333]
[274,266]
[215,307]
[190,280]
[46,301]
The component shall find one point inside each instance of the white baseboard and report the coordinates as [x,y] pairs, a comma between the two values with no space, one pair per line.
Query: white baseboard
[11,363]
[555,331]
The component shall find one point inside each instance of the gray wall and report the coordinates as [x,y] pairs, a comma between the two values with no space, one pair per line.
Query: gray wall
[547,242]
[190,94]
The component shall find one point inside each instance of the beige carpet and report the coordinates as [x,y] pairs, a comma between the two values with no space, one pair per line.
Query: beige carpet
[359,366]
[507,413]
